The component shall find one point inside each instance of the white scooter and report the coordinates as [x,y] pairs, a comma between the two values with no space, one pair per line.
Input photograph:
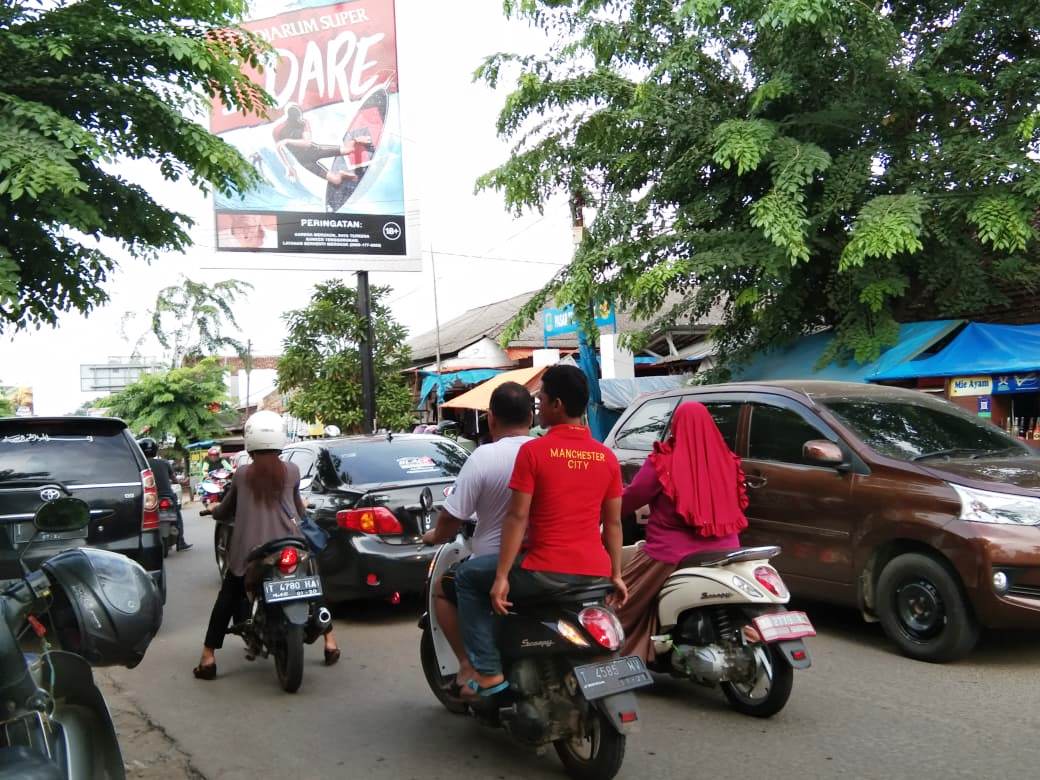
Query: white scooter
[722,621]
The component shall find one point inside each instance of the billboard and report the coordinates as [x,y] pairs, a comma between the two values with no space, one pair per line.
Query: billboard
[329,154]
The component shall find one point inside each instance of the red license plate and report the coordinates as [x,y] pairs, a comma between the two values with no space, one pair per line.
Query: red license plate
[781,626]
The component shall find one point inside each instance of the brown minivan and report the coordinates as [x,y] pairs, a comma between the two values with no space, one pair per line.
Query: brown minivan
[890,500]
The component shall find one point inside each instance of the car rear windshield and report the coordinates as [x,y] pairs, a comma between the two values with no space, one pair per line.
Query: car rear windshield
[911,431]
[395,461]
[32,456]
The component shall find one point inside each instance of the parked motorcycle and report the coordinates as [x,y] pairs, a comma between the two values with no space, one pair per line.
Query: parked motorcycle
[568,686]
[167,525]
[214,486]
[281,614]
[723,622]
[101,609]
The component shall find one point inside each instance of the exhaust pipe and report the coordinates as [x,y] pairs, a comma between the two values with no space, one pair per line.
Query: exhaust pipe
[323,620]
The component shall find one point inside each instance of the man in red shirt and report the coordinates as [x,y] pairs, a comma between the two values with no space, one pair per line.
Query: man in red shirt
[565,487]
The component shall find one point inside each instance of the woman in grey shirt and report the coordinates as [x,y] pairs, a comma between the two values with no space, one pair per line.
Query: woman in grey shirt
[264,499]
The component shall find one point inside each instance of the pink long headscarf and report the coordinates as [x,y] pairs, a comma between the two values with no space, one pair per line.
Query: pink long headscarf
[700,473]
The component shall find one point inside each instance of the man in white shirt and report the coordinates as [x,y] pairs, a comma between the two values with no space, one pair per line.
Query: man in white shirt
[482,490]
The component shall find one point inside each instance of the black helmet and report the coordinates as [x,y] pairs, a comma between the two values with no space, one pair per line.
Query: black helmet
[106,607]
[149,447]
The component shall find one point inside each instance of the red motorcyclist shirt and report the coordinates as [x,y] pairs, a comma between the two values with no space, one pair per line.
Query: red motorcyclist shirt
[568,475]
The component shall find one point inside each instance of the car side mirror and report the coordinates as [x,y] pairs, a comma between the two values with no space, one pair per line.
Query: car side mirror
[306,482]
[62,514]
[820,452]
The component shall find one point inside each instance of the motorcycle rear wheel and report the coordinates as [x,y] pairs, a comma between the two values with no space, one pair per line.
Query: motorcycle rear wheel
[596,756]
[777,677]
[434,678]
[221,545]
[288,659]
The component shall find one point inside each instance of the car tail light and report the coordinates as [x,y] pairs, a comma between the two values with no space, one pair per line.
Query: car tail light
[288,560]
[165,503]
[602,626]
[150,508]
[370,520]
[769,579]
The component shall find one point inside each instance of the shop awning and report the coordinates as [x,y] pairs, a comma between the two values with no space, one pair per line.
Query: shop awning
[980,348]
[799,360]
[619,393]
[446,379]
[480,396]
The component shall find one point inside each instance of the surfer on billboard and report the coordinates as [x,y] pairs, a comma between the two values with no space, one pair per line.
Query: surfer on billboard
[292,138]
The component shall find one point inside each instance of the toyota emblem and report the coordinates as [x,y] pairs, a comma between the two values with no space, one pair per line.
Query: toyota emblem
[50,494]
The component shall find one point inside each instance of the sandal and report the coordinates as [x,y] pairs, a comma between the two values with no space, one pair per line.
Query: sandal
[331,656]
[473,690]
[207,672]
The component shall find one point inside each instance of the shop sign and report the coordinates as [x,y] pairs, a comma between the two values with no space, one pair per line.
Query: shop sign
[1016,383]
[985,408]
[964,386]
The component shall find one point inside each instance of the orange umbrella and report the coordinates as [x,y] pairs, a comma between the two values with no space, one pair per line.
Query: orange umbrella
[480,396]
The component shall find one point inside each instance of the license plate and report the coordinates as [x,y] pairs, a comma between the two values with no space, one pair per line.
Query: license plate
[24,532]
[276,591]
[617,676]
[781,626]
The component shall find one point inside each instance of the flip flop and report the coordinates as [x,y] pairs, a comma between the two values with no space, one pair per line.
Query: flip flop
[473,689]
[205,672]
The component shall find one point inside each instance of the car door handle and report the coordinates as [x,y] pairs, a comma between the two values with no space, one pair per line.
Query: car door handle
[755,481]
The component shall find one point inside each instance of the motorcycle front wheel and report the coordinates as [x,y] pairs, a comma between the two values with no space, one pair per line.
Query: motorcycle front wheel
[595,756]
[288,659]
[438,683]
[768,692]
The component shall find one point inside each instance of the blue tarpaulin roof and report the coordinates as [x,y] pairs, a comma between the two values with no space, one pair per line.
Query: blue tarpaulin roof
[799,360]
[978,349]
[441,382]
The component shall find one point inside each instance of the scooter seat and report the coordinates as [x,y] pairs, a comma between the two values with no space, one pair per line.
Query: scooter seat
[724,557]
[275,544]
[583,592]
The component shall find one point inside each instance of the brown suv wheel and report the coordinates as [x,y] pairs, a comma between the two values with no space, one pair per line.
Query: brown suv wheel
[923,610]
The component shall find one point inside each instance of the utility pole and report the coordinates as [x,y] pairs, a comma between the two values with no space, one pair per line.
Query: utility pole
[368,377]
[248,365]
[437,326]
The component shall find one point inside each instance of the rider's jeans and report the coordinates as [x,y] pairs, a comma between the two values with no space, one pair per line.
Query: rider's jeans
[473,583]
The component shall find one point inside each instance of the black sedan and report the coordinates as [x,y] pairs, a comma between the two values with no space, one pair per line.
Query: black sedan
[375,496]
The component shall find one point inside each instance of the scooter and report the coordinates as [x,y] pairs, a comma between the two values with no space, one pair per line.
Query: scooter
[281,614]
[56,724]
[568,686]
[167,525]
[214,486]
[723,621]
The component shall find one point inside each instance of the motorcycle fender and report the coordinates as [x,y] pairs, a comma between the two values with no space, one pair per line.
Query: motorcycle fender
[789,648]
[91,745]
[622,710]
[297,613]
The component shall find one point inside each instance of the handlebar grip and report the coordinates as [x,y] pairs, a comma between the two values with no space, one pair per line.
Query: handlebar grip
[205,513]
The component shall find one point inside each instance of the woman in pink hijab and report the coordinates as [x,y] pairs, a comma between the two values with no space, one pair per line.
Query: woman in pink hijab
[694,486]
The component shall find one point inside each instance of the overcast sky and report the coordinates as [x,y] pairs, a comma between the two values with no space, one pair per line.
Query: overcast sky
[449,128]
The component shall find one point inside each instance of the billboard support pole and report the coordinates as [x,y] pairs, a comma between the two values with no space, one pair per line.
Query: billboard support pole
[368,378]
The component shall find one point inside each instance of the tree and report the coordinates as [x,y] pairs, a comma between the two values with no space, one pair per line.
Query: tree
[803,163]
[87,84]
[189,319]
[320,369]
[6,405]
[184,403]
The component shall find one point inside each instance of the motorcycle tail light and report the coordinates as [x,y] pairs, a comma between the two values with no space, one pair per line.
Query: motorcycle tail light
[571,634]
[370,520]
[602,626]
[165,504]
[288,560]
[769,579]
[150,505]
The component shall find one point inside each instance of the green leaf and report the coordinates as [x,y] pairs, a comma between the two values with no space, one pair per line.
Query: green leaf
[887,226]
[1003,223]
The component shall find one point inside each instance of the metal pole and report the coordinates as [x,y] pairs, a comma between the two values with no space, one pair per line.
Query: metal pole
[368,378]
[437,327]
[249,370]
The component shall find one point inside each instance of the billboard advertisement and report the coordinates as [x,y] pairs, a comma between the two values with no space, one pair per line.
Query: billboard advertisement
[329,153]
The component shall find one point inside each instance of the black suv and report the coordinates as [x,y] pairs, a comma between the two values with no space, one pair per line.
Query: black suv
[90,458]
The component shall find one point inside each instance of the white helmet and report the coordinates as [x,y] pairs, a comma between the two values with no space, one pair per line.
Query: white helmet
[265,431]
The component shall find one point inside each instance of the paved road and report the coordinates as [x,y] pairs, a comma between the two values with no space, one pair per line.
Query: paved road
[861,711]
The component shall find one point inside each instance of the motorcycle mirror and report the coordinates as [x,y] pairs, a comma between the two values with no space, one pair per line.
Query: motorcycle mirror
[62,514]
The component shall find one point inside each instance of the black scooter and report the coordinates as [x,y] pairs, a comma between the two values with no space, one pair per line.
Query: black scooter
[568,686]
[56,723]
[281,614]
